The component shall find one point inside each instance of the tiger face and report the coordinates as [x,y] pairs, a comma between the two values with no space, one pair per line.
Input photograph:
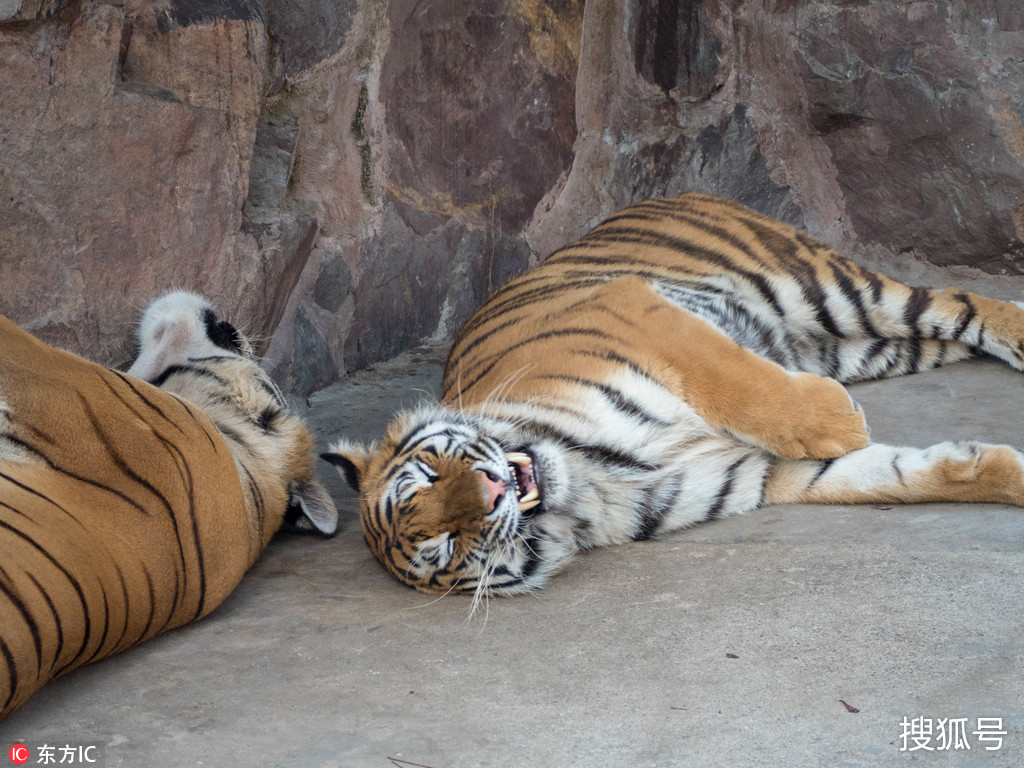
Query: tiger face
[449,504]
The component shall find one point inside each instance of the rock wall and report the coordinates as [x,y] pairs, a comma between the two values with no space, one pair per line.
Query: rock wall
[357,176]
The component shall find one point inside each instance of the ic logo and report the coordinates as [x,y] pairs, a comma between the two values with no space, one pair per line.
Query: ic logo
[19,754]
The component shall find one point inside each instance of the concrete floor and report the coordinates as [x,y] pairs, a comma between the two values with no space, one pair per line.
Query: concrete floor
[733,644]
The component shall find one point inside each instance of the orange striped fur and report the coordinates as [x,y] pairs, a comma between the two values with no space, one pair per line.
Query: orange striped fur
[683,361]
[125,509]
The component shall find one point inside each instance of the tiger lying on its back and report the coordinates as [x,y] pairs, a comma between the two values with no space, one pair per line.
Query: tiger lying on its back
[127,510]
[667,368]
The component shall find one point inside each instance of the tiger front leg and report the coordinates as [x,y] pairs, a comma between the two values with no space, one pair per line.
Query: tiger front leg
[810,417]
[947,472]
[793,416]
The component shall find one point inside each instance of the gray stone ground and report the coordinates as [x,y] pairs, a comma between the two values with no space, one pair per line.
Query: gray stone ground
[733,644]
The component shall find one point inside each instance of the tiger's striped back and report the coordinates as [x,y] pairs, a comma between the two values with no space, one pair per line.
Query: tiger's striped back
[772,288]
[123,512]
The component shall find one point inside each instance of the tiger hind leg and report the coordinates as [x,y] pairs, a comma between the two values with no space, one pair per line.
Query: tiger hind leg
[951,472]
[907,330]
[988,325]
[792,415]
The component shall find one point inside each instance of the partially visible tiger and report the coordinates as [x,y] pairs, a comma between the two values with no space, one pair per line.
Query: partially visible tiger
[679,363]
[132,503]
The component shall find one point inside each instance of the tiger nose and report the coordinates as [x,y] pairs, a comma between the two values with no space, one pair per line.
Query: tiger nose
[494,488]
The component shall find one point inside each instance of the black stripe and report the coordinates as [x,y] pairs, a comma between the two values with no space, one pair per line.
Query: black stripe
[634,236]
[128,382]
[213,358]
[261,520]
[392,546]
[12,675]
[233,434]
[715,510]
[614,397]
[853,295]
[106,626]
[188,409]
[152,605]
[699,219]
[492,360]
[173,370]
[612,356]
[26,615]
[23,445]
[56,620]
[78,478]
[533,557]
[969,315]
[825,465]
[185,476]
[188,482]
[97,425]
[126,602]
[914,353]
[769,469]
[877,348]
[872,279]
[389,512]
[656,506]
[896,469]
[406,444]
[919,301]
[514,296]
[87,628]
[804,272]
[601,453]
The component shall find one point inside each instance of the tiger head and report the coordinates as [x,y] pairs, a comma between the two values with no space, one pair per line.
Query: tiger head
[449,502]
[186,349]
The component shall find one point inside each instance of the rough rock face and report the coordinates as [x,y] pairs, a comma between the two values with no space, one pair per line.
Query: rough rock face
[126,141]
[358,176]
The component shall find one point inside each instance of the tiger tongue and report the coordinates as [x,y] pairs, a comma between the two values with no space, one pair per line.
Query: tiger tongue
[527,490]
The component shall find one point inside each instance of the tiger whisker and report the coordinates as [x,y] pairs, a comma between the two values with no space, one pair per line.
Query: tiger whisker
[514,378]
[437,599]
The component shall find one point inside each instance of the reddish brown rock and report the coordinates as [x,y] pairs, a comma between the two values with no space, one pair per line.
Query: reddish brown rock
[358,176]
[127,145]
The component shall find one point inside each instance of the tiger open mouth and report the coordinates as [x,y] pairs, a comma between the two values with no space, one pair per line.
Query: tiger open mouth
[526,479]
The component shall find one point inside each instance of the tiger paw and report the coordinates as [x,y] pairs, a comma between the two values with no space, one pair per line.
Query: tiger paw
[826,422]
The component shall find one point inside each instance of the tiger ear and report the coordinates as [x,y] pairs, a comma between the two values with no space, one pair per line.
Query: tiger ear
[351,459]
[312,501]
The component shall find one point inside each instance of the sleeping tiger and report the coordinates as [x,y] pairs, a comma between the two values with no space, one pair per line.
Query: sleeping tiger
[132,503]
[680,363]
